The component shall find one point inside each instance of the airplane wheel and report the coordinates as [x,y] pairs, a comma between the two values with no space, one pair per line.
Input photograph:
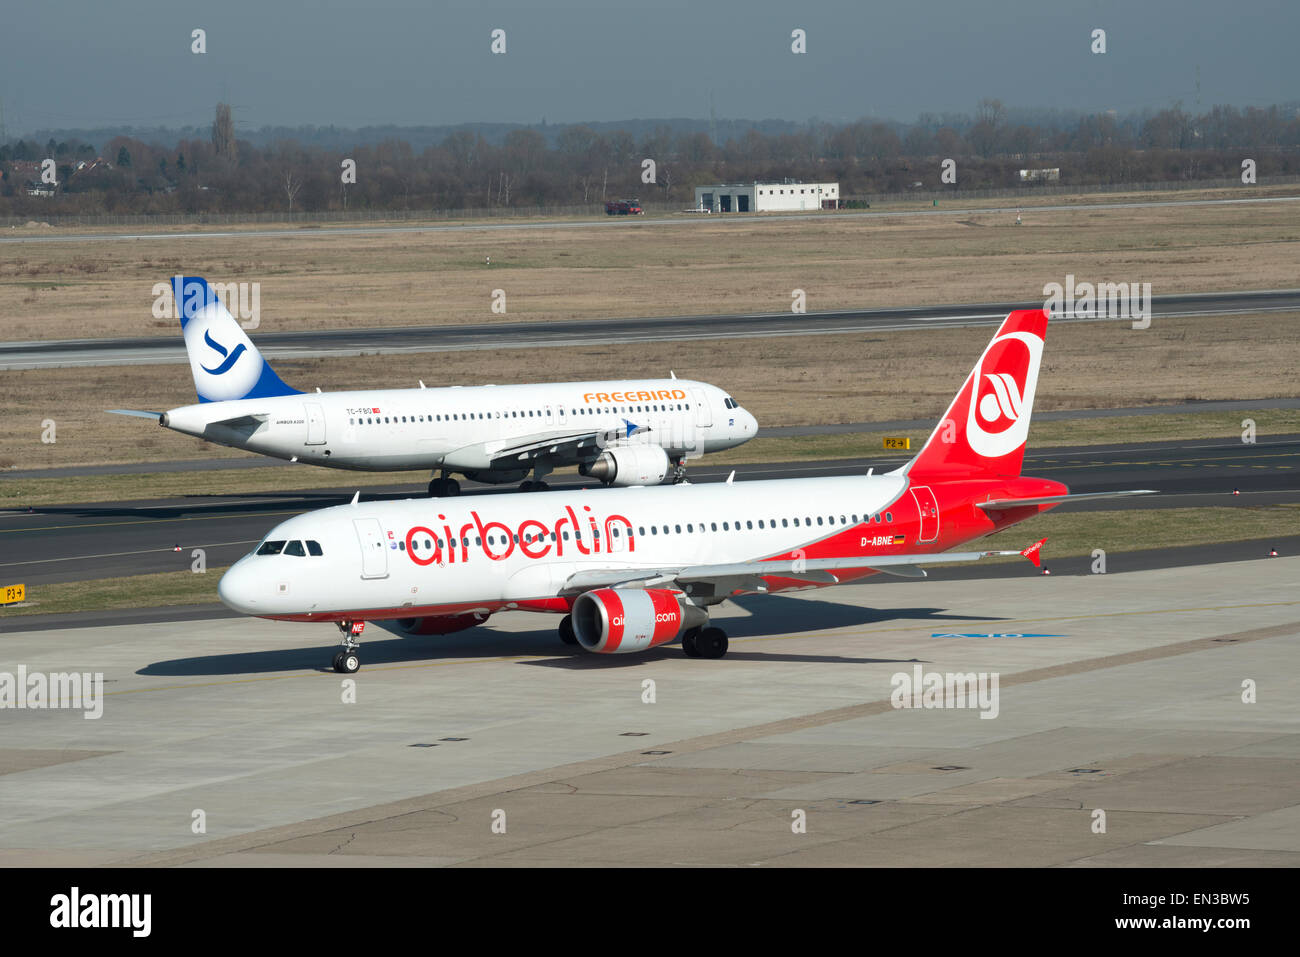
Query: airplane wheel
[347,662]
[711,643]
[526,486]
[452,488]
[541,487]
[435,488]
[688,642]
[566,631]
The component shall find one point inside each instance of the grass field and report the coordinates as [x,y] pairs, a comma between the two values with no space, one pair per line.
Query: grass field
[326,280]
[1068,534]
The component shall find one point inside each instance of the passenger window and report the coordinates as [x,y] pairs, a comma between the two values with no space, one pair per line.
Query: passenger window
[726,527]
[314,549]
[295,549]
[749,525]
[760,523]
[889,516]
[690,528]
[641,530]
[714,525]
[785,523]
[654,529]
[677,529]
[271,548]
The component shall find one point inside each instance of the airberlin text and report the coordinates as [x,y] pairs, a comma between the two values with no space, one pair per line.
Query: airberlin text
[533,538]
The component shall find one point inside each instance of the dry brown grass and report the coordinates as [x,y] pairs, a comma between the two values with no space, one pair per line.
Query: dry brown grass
[784,381]
[325,280]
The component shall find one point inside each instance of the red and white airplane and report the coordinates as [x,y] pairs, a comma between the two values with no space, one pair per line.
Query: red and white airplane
[632,568]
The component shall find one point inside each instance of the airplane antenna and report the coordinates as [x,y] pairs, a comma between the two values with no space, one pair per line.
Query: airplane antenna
[421,381]
[318,390]
[731,476]
[356,497]
[672,373]
[870,470]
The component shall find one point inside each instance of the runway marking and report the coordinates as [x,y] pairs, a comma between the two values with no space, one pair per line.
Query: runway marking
[142,521]
[140,551]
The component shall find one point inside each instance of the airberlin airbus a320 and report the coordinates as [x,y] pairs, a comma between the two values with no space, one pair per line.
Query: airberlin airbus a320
[632,568]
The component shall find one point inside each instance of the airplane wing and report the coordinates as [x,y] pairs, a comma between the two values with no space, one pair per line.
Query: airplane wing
[517,453]
[749,576]
[1005,503]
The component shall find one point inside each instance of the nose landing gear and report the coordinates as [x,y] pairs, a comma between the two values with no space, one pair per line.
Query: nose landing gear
[347,661]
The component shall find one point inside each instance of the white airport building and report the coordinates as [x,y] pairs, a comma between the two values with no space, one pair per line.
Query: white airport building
[767,197]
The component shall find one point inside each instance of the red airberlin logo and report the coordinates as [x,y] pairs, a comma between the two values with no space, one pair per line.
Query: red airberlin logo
[571,533]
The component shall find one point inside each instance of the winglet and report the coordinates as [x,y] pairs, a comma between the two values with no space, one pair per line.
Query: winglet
[1032,552]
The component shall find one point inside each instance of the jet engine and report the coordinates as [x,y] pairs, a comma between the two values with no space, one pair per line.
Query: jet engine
[615,621]
[630,465]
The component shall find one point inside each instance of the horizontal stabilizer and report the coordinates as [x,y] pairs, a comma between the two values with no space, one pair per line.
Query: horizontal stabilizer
[144,415]
[1000,504]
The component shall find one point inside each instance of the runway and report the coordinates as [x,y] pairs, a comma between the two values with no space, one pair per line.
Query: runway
[170,349]
[58,543]
[1115,693]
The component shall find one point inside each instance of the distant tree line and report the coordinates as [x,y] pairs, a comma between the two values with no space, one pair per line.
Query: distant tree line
[588,164]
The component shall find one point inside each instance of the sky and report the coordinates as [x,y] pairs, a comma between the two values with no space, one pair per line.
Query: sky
[82,64]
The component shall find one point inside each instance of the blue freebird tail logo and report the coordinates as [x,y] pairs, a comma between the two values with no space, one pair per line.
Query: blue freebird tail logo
[230,358]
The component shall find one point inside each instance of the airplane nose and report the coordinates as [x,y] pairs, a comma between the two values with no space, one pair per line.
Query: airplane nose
[236,589]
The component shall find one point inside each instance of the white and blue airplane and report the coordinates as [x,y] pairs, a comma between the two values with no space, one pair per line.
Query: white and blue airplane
[622,432]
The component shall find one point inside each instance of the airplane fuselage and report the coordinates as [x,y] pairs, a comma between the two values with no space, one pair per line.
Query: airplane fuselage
[413,558]
[471,428]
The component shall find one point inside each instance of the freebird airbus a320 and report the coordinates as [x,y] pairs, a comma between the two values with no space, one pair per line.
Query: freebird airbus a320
[632,568]
[624,432]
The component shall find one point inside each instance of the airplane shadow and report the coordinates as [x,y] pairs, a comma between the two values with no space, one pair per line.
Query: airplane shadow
[773,616]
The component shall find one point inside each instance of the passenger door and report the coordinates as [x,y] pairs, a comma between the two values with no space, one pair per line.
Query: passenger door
[374,556]
[928,508]
[315,424]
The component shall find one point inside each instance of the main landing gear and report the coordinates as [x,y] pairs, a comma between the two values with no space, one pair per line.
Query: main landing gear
[347,661]
[679,470]
[535,484]
[566,631]
[444,487]
[707,642]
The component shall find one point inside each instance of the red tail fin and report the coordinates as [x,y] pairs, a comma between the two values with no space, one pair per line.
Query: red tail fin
[984,430]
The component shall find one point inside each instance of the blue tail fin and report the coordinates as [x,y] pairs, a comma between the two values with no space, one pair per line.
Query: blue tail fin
[225,363]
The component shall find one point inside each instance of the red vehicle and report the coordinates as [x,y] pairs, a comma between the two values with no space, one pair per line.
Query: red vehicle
[624,207]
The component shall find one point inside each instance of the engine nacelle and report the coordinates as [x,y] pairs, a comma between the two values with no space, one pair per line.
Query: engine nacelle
[440,624]
[630,465]
[615,621]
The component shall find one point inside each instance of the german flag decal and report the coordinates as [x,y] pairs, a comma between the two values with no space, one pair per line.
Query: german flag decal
[898,539]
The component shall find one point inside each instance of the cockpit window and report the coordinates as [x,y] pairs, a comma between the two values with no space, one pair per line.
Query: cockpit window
[731,403]
[313,548]
[295,548]
[271,548]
